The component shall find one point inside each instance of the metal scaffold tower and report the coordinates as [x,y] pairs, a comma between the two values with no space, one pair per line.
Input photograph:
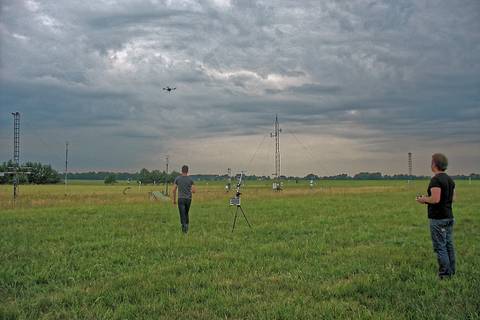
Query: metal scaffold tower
[16,152]
[276,134]
[15,169]
[410,168]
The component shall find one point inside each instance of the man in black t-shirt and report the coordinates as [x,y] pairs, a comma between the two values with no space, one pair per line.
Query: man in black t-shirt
[186,187]
[441,194]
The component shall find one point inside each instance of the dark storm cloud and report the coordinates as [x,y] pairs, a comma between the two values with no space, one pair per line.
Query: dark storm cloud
[309,88]
[374,72]
[125,20]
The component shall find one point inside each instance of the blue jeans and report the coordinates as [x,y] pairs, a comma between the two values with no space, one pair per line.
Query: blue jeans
[441,231]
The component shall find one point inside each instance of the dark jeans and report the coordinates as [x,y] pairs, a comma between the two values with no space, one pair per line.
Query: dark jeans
[441,231]
[183,208]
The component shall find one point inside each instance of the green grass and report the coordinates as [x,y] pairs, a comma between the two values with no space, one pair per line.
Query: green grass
[349,250]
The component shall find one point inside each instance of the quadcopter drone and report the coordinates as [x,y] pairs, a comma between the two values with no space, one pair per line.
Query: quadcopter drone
[169,89]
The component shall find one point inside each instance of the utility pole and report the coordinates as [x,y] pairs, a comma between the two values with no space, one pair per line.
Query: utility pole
[410,167]
[166,176]
[276,134]
[66,167]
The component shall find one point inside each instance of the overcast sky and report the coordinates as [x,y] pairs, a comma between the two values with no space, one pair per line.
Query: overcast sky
[356,84]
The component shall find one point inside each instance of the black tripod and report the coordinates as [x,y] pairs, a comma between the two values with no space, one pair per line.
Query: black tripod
[236,202]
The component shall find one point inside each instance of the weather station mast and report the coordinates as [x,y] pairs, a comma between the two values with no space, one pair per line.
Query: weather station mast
[16,169]
[16,152]
[276,134]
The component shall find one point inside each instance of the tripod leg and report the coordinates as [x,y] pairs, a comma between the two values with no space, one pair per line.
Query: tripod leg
[235,219]
[243,212]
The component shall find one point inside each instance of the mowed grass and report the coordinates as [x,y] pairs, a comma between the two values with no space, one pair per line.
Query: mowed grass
[341,250]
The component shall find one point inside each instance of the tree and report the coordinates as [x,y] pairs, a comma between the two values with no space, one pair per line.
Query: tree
[110,179]
[172,176]
[157,176]
[144,176]
[5,178]
[38,173]
[311,176]
[368,176]
[42,173]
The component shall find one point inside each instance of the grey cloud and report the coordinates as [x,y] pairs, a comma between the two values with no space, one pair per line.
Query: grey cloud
[357,70]
[134,19]
[309,88]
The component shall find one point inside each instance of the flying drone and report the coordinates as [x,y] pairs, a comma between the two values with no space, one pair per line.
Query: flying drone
[169,89]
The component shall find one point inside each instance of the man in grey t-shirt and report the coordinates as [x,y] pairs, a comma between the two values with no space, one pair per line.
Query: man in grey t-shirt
[186,187]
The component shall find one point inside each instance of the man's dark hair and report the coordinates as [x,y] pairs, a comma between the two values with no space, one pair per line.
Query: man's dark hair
[440,161]
[185,169]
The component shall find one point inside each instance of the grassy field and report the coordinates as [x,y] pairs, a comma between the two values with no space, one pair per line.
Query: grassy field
[340,250]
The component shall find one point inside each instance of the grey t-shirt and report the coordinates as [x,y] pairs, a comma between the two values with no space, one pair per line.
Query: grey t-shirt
[184,184]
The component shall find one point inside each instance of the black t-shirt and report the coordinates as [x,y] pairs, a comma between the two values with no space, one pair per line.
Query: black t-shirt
[443,209]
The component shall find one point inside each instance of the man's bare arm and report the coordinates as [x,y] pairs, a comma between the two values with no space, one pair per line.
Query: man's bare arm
[433,199]
[174,194]
[194,188]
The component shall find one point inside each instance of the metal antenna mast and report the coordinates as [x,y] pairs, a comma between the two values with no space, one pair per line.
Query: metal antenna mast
[66,166]
[410,167]
[276,134]
[15,169]
[16,152]
[16,137]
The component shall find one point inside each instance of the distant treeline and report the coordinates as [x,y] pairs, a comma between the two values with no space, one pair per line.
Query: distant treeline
[380,176]
[43,174]
[146,176]
[29,172]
